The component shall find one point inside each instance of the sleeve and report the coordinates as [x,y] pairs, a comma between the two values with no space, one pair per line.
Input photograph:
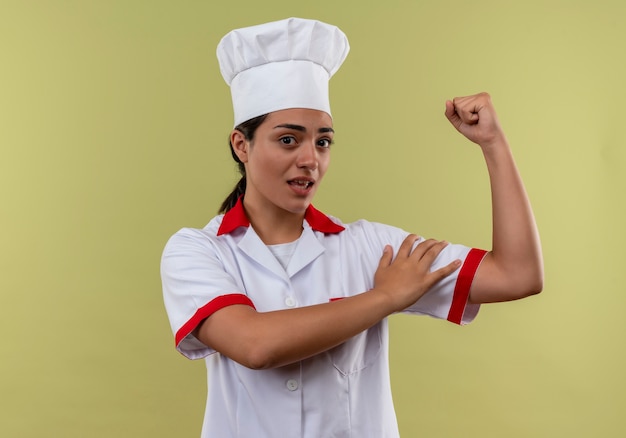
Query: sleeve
[195,285]
[448,299]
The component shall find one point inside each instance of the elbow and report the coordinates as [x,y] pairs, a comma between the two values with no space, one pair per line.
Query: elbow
[260,356]
[257,361]
[531,284]
[249,349]
[529,280]
[536,277]
[536,286]
[533,288]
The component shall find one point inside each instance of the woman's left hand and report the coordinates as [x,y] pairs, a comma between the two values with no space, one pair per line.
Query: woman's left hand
[475,118]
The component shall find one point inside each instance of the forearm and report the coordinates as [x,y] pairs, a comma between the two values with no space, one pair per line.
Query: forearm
[270,339]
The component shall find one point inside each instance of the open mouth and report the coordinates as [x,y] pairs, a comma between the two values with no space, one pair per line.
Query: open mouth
[300,183]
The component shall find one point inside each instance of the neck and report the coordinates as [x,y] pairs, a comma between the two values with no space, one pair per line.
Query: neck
[274,225]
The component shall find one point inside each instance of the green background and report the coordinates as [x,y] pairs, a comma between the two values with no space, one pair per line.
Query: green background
[113,133]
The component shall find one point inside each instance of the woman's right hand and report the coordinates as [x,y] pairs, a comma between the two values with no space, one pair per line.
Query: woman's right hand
[261,340]
[405,278]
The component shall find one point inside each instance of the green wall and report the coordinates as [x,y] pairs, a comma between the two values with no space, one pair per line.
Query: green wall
[113,131]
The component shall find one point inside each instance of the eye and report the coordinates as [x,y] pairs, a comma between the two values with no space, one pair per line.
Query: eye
[288,140]
[324,142]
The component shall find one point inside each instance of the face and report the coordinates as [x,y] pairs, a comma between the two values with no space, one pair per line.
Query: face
[286,160]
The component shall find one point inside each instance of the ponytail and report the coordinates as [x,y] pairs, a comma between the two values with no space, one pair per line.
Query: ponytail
[248,129]
[234,196]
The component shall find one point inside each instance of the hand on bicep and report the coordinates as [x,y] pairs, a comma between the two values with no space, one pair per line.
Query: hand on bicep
[407,277]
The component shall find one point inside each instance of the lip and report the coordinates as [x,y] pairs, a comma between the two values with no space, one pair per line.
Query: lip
[301,185]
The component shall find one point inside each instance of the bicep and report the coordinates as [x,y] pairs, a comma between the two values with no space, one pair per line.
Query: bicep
[493,284]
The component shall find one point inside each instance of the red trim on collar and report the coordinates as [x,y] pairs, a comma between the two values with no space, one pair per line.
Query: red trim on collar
[236,217]
[320,222]
[233,219]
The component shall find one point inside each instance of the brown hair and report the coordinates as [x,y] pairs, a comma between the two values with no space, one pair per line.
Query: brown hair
[247,128]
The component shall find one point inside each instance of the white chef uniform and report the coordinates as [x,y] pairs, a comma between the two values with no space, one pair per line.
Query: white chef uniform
[344,392]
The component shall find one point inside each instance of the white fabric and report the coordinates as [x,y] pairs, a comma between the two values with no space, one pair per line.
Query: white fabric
[283,252]
[280,65]
[344,392]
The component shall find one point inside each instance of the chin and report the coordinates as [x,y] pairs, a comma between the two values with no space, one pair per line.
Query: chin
[298,206]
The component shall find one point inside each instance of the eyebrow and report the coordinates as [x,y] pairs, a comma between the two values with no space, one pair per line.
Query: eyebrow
[302,128]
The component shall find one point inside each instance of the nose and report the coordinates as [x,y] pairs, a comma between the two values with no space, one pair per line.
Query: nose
[307,156]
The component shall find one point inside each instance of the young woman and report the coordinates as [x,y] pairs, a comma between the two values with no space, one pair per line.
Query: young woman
[287,305]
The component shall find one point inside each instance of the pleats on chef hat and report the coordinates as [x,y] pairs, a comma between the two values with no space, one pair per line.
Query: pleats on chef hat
[280,65]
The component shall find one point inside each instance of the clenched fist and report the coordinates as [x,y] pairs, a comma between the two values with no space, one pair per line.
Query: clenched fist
[475,118]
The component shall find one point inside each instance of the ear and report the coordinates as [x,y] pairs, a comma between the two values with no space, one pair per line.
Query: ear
[240,145]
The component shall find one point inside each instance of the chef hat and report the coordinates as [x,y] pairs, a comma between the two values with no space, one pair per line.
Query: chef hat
[279,65]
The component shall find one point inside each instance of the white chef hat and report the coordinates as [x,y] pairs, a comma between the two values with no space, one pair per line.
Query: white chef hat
[280,65]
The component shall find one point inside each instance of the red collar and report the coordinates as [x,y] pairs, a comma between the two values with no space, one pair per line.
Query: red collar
[236,217]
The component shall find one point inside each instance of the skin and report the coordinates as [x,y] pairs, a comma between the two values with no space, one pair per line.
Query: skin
[292,145]
[513,269]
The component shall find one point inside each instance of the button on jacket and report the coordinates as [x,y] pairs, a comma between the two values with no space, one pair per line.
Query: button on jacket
[343,392]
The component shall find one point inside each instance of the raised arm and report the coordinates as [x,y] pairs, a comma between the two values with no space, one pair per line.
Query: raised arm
[513,268]
[261,340]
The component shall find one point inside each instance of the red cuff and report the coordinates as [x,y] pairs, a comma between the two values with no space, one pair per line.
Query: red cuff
[463,284]
[209,309]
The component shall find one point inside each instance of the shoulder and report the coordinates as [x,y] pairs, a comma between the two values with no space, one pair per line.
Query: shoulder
[188,238]
[364,227]
[365,233]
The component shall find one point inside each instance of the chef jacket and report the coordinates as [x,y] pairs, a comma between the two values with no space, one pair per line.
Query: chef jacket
[343,392]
